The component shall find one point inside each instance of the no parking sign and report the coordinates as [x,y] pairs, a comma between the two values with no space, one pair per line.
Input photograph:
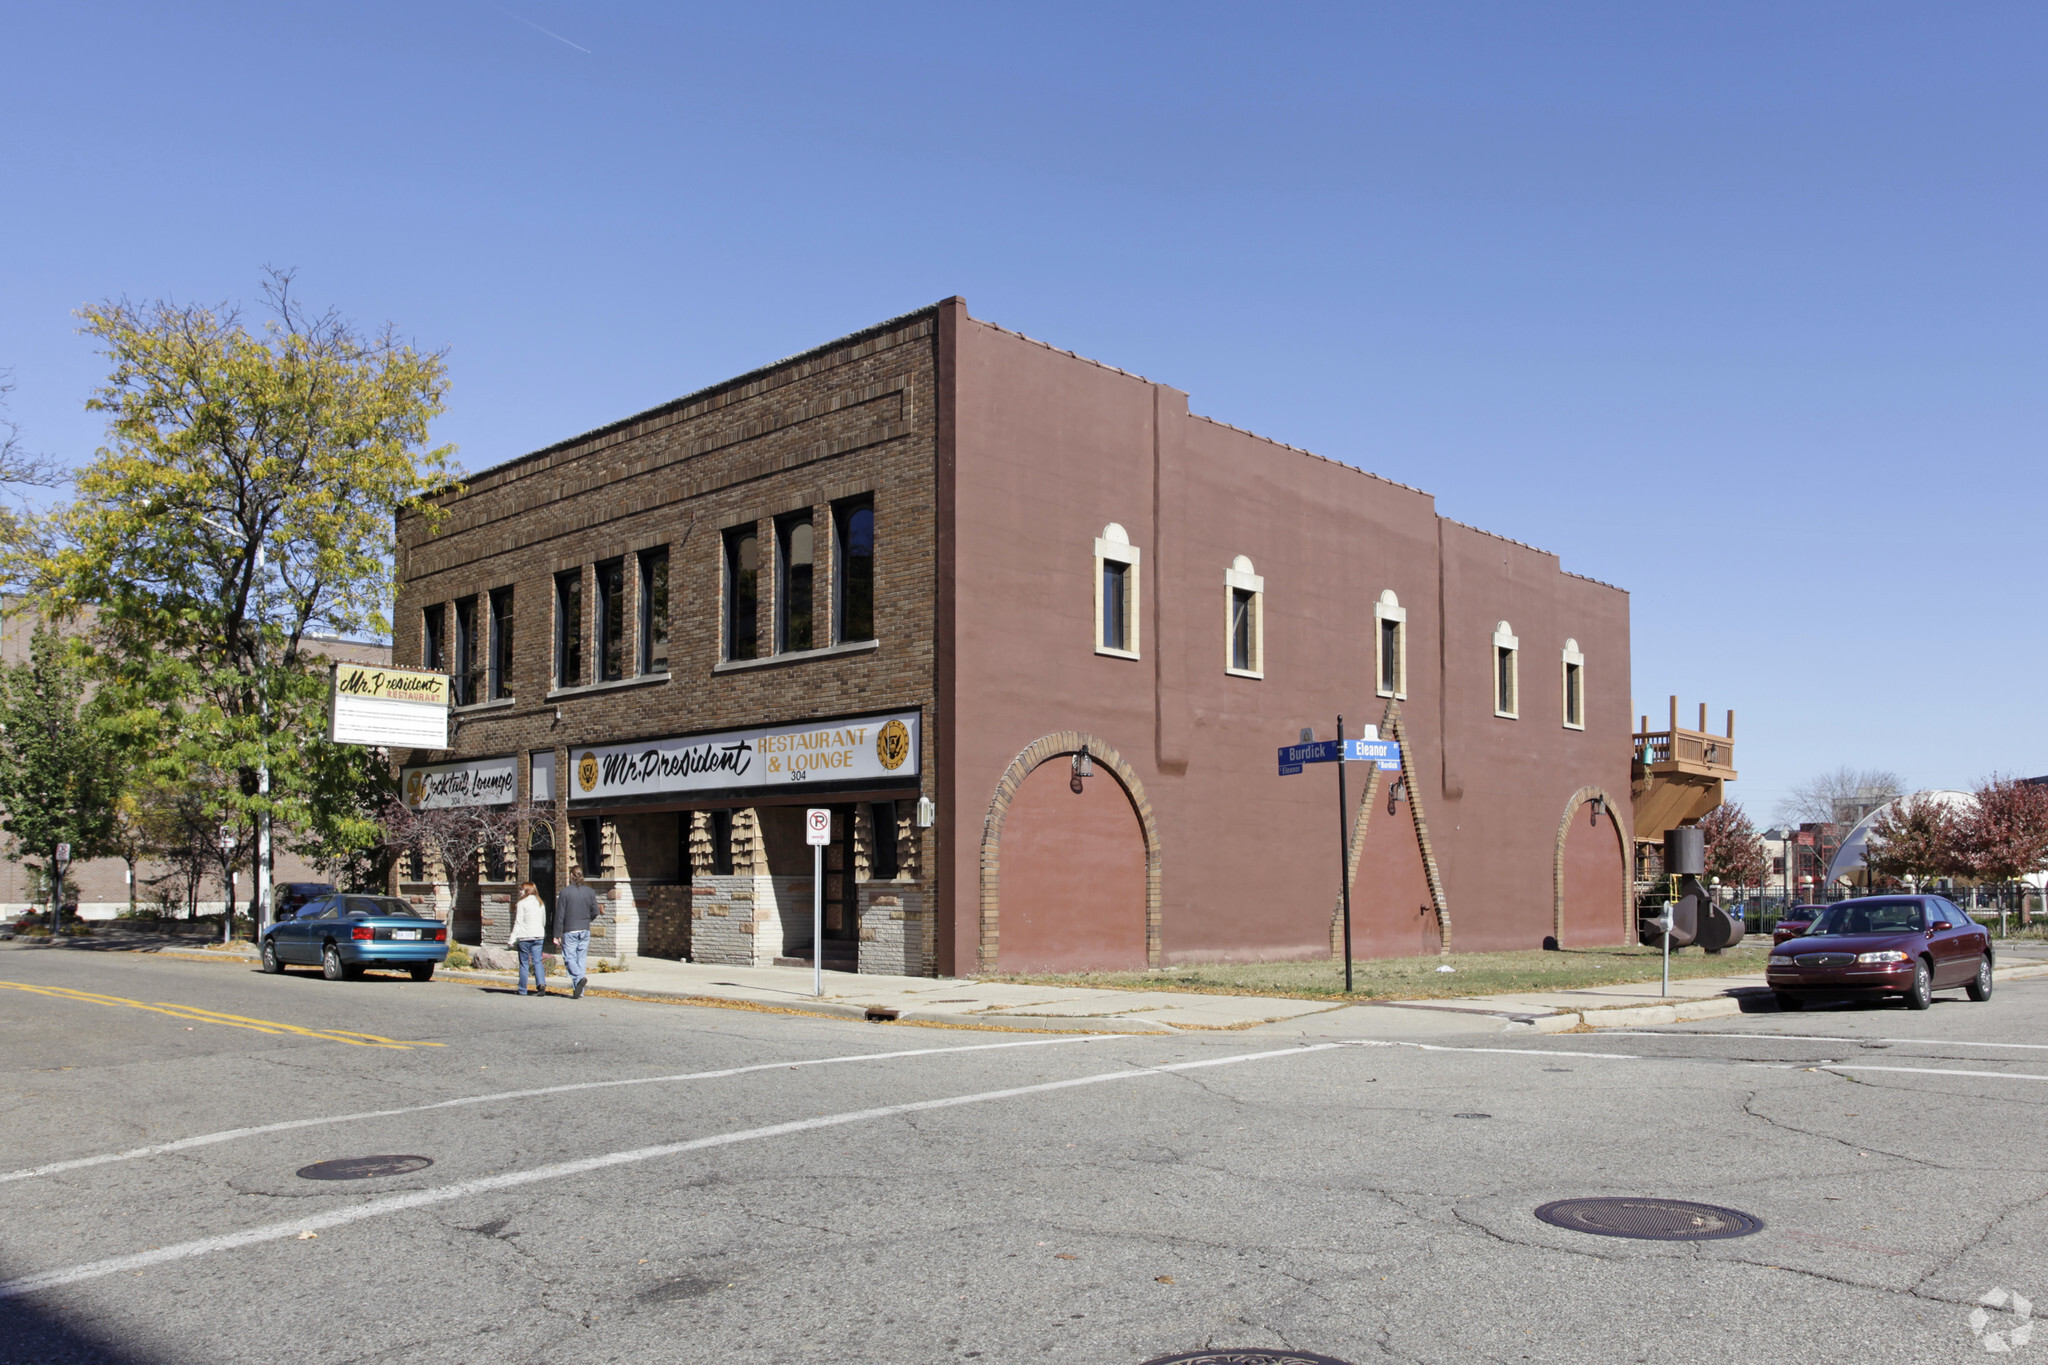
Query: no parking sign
[818,827]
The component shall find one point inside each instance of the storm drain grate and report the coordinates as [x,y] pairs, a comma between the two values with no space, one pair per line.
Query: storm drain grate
[364,1167]
[1653,1220]
[1247,1358]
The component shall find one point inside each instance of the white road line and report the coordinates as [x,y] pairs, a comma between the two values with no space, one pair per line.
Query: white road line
[1932,1071]
[233,1134]
[399,1203]
[1825,1038]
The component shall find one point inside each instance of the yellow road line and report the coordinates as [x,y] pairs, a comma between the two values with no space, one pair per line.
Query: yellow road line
[206,1016]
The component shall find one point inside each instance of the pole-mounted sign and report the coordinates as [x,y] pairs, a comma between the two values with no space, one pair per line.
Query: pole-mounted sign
[817,833]
[1383,754]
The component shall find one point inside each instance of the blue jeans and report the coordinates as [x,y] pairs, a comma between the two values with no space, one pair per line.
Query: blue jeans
[575,948]
[529,954]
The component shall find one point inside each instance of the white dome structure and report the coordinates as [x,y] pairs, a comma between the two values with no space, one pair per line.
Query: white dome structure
[1848,859]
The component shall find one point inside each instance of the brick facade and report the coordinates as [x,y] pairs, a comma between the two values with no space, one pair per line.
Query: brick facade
[998,469]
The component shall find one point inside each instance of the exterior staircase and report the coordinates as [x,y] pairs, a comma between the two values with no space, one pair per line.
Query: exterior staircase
[1678,775]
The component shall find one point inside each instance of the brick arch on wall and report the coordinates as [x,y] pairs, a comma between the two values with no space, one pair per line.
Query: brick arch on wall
[1564,829]
[1056,745]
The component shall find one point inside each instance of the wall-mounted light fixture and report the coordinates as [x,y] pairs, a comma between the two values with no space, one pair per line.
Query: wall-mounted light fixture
[1084,765]
[1598,805]
[1397,792]
[927,813]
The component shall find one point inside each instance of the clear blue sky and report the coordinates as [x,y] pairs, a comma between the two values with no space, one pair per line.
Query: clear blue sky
[1738,306]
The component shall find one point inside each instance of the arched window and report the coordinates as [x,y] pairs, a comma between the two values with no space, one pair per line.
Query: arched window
[1244,620]
[1573,665]
[1116,593]
[1390,649]
[1506,683]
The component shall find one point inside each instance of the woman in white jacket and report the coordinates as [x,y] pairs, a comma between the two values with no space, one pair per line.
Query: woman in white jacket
[529,936]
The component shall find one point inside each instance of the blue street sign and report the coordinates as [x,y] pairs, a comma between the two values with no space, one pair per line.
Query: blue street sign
[1384,753]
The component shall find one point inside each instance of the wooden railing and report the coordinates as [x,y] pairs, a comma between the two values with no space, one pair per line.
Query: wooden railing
[1694,748]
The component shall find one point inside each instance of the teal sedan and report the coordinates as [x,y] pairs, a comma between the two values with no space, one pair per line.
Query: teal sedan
[343,935]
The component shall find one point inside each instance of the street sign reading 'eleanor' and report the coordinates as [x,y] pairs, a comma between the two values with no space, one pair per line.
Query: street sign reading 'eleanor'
[1383,753]
[872,748]
[395,708]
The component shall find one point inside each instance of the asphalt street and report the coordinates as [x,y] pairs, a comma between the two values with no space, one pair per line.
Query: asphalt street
[624,1181]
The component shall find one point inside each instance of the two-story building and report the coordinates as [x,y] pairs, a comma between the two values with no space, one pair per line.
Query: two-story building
[1034,632]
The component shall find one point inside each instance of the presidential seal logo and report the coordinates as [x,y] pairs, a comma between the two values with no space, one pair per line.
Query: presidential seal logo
[415,788]
[586,771]
[892,746]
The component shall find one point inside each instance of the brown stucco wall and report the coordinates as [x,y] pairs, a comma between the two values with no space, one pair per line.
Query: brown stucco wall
[1046,448]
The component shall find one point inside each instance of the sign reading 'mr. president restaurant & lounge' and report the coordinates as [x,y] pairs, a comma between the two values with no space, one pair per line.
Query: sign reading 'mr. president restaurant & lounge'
[873,748]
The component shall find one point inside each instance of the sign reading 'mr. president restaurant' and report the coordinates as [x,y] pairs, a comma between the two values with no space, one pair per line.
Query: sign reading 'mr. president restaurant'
[874,748]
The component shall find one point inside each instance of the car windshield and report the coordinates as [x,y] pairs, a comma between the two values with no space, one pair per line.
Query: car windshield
[384,907]
[1870,917]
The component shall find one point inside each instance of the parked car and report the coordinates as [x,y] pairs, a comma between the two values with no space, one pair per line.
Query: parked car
[1911,946]
[344,934]
[1797,919]
[288,898]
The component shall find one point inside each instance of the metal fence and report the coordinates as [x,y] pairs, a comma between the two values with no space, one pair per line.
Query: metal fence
[1760,908]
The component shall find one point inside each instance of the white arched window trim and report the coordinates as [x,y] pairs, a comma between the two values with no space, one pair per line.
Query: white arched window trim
[1386,612]
[1114,546]
[1571,670]
[1239,578]
[1507,670]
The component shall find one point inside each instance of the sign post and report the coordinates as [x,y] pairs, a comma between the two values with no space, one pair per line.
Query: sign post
[63,861]
[817,833]
[1383,754]
[1344,835]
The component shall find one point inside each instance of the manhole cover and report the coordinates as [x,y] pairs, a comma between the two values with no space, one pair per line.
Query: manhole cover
[1655,1220]
[1247,1358]
[364,1167]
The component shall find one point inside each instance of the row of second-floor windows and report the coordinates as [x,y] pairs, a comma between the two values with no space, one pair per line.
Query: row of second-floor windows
[602,630]
[1117,589]
[611,618]
[813,600]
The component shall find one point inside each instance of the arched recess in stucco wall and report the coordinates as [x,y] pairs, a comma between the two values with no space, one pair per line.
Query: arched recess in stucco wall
[1625,906]
[1062,744]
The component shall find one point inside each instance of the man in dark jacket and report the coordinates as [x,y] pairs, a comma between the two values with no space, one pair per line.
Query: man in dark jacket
[575,908]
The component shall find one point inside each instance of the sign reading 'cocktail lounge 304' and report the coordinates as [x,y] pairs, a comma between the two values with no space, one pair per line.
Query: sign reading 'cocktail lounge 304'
[878,747]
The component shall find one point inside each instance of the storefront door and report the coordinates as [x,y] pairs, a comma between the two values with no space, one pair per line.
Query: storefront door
[842,907]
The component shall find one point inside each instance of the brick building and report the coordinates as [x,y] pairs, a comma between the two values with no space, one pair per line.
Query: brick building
[102,887]
[1034,633]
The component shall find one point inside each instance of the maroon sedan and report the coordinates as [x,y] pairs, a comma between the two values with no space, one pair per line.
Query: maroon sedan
[1884,945]
[1796,920]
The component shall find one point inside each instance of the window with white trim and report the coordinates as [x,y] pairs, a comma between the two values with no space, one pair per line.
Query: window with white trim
[1390,652]
[1244,621]
[1573,665]
[1506,683]
[1116,593]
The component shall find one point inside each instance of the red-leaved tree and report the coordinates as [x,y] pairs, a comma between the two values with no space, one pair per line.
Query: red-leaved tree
[2004,834]
[1735,851]
[1918,837]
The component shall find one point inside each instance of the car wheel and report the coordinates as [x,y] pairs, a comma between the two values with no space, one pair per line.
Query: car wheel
[1788,1003]
[1980,984]
[1922,994]
[270,962]
[331,965]
[422,971]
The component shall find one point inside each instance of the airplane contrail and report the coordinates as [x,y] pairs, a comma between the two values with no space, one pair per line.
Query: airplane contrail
[550,32]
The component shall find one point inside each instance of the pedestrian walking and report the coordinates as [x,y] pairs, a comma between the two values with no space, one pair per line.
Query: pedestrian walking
[575,908]
[529,936]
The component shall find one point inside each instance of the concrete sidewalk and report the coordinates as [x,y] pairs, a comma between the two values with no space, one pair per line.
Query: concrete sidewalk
[967,1003]
[962,1002]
